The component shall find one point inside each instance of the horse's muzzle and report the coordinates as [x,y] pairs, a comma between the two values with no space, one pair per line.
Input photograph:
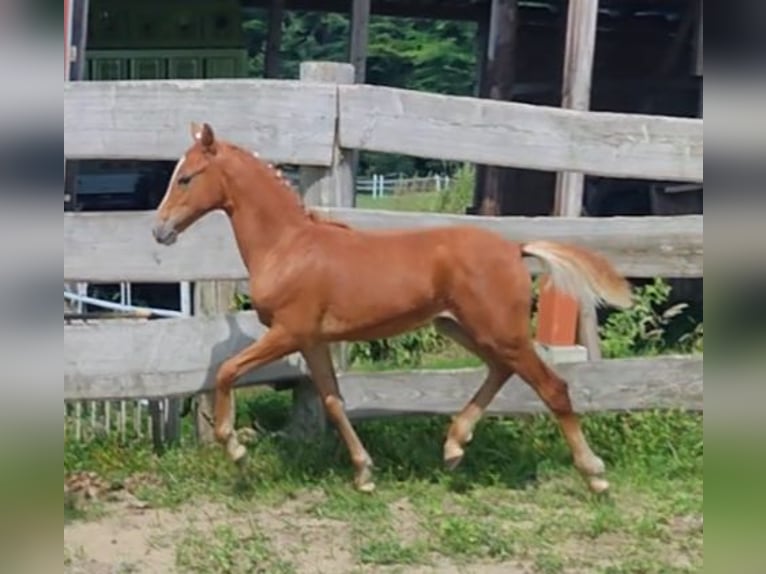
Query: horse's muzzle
[164,232]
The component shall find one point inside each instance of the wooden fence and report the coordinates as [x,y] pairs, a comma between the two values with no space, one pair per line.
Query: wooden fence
[315,124]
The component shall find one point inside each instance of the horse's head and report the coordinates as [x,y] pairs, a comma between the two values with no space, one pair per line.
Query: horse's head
[195,188]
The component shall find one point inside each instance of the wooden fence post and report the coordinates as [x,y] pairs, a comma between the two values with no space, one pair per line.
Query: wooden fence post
[561,319]
[328,187]
[210,298]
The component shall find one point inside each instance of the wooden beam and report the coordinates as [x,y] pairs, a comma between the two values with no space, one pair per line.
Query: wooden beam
[358,44]
[274,39]
[176,356]
[210,298]
[327,187]
[162,358]
[118,246]
[331,185]
[595,386]
[288,123]
[497,84]
[560,318]
[284,120]
[459,128]
[699,63]
[576,90]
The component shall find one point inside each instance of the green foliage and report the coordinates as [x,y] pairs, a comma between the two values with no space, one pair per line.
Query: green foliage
[642,329]
[226,550]
[405,350]
[459,194]
[433,56]
[388,549]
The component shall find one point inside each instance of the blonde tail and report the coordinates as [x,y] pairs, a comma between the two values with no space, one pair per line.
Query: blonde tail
[585,275]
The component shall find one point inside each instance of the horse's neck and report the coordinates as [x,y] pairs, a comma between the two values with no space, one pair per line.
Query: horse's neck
[262,212]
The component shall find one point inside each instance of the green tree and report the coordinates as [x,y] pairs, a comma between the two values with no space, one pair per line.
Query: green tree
[426,55]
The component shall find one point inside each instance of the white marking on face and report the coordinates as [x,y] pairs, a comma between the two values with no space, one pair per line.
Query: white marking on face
[172,179]
[198,136]
[255,154]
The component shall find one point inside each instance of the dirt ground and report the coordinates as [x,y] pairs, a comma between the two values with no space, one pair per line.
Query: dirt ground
[130,539]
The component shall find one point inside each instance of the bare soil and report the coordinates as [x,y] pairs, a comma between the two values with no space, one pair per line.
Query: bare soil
[127,538]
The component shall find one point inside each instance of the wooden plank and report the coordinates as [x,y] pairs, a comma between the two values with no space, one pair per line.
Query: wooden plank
[576,86]
[360,32]
[494,183]
[559,312]
[162,358]
[609,385]
[115,246]
[274,38]
[511,134]
[699,63]
[331,186]
[284,120]
[210,298]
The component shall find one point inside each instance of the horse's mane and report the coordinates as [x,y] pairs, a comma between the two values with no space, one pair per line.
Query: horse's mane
[322,220]
[312,215]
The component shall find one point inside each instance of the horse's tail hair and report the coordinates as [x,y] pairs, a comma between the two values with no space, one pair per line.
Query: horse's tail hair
[581,273]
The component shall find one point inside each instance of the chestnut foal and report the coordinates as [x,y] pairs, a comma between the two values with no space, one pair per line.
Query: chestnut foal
[314,281]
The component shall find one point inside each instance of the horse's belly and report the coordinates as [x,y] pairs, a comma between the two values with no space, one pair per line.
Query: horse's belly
[381,304]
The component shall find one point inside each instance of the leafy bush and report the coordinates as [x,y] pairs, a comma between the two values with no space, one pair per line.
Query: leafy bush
[459,193]
[642,330]
[405,350]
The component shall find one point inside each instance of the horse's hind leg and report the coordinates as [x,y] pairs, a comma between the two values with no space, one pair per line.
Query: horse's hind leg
[554,393]
[460,431]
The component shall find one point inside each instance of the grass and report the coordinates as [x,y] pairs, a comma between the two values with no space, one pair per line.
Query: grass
[425,201]
[227,550]
[516,496]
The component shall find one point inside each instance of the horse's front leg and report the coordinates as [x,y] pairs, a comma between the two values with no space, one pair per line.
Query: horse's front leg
[275,344]
[319,361]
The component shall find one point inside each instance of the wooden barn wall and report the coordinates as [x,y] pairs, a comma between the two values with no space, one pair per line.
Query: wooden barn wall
[627,58]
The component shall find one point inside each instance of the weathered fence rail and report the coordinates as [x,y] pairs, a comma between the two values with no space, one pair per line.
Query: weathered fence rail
[291,121]
[490,132]
[286,120]
[313,124]
[103,247]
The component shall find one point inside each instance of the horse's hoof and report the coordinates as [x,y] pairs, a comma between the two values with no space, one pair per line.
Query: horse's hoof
[453,462]
[453,455]
[363,479]
[366,487]
[598,485]
[237,454]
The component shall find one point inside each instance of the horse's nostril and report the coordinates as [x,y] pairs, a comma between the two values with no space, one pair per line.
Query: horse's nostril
[164,233]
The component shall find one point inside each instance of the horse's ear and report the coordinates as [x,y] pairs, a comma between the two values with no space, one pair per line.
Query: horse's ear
[196,131]
[208,137]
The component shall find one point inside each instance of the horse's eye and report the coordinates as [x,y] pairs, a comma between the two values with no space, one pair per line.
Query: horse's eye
[184,179]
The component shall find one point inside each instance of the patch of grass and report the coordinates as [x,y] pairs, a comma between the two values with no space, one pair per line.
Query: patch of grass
[225,550]
[471,536]
[388,549]
[516,495]
[342,503]
[549,563]
[424,201]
